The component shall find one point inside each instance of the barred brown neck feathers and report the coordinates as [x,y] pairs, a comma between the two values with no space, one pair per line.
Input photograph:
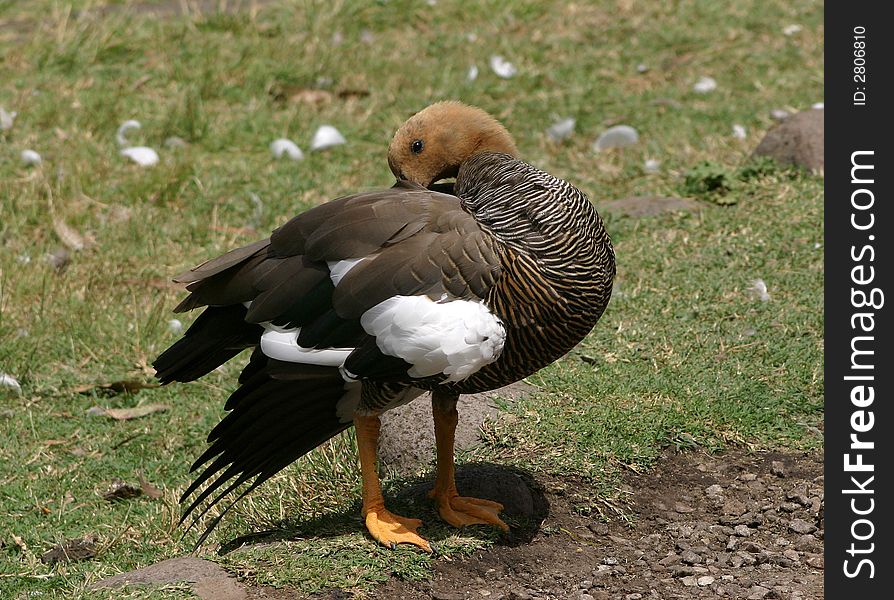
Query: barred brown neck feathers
[541,216]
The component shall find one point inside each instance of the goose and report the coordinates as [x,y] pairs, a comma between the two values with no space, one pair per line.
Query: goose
[363,303]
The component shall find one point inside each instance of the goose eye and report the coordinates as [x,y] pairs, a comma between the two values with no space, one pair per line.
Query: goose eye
[417,146]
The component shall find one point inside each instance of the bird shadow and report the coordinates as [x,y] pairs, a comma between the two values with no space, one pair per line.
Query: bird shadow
[523,498]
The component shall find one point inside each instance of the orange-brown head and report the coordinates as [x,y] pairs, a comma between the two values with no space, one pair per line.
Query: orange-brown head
[434,142]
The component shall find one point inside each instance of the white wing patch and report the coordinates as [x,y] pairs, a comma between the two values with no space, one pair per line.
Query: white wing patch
[282,344]
[456,338]
[451,337]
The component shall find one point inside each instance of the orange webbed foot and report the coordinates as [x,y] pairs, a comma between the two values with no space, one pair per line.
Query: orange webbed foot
[390,529]
[460,511]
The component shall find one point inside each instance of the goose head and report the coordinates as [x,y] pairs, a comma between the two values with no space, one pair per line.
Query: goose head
[432,144]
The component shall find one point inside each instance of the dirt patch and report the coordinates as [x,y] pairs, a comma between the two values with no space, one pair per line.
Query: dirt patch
[739,525]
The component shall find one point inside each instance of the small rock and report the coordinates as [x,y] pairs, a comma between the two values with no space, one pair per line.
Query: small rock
[792,29]
[502,67]
[705,580]
[792,554]
[801,526]
[30,158]
[327,136]
[142,155]
[734,508]
[739,132]
[610,560]
[690,581]
[7,119]
[669,560]
[175,326]
[757,592]
[71,550]
[651,166]
[806,542]
[283,147]
[10,383]
[472,73]
[758,290]
[691,558]
[561,130]
[619,136]
[642,68]
[777,468]
[682,508]
[585,584]
[816,561]
[714,490]
[742,530]
[681,571]
[705,85]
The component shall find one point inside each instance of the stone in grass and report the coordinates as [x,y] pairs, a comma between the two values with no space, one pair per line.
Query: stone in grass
[209,580]
[619,136]
[10,384]
[30,158]
[71,550]
[797,141]
[283,147]
[327,136]
[561,130]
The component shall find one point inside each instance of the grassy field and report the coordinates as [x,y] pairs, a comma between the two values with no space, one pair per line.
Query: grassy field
[685,356]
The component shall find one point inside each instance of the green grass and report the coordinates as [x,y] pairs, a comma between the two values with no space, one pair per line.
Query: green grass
[684,356]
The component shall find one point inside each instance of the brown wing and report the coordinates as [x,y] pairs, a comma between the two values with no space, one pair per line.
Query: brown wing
[412,241]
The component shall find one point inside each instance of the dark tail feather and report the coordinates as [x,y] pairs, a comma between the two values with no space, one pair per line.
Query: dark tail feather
[281,412]
[219,334]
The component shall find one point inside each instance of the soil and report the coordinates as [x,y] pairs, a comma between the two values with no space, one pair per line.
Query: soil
[738,525]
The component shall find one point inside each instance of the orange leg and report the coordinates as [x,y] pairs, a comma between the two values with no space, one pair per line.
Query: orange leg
[384,526]
[453,508]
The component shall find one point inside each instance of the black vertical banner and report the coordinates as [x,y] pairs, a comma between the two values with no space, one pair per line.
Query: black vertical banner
[859,269]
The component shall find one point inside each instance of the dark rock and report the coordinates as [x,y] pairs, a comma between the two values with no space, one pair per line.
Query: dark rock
[801,526]
[797,141]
